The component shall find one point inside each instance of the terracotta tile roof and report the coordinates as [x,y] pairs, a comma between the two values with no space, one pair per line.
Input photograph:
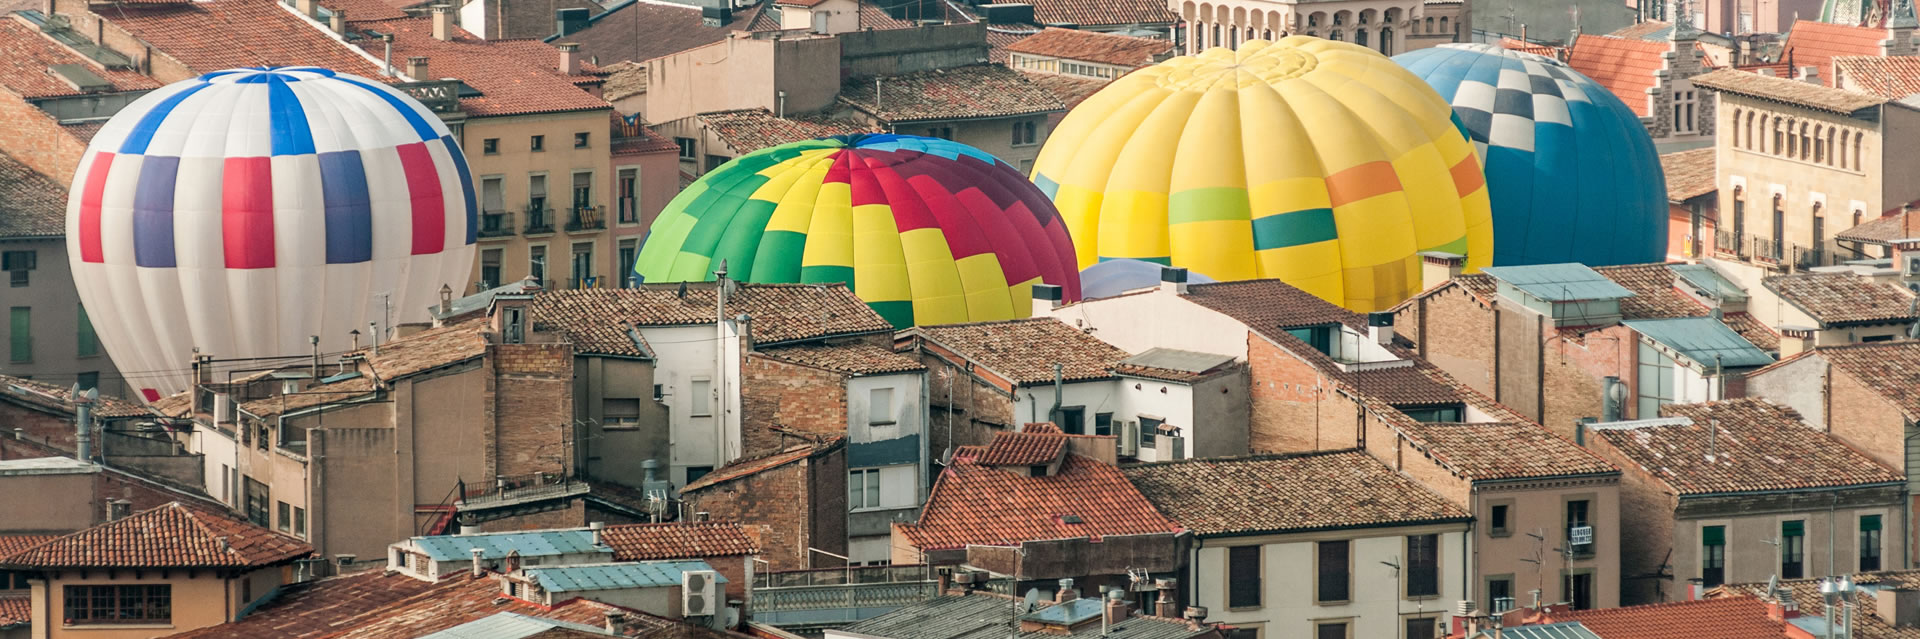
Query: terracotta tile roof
[323,606]
[1031,447]
[36,394]
[744,467]
[980,505]
[509,84]
[1796,92]
[1843,298]
[1481,286]
[597,319]
[1098,13]
[15,610]
[1069,88]
[749,130]
[1504,450]
[1806,593]
[1557,53]
[1891,369]
[541,55]
[280,404]
[1890,77]
[1727,618]
[856,358]
[1779,69]
[171,536]
[370,9]
[26,57]
[1093,46]
[678,540]
[1623,66]
[1761,446]
[1654,295]
[223,34]
[10,544]
[31,204]
[1025,350]
[878,18]
[1288,493]
[83,131]
[640,30]
[1269,304]
[633,138]
[1754,330]
[1816,44]
[1642,30]
[428,350]
[957,93]
[998,38]
[1883,231]
[1690,174]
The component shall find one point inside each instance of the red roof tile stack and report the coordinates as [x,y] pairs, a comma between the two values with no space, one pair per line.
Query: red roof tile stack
[980,505]
[170,536]
[1623,66]
[1816,44]
[853,358]
[1025,350]
[1031,447]
[1760,446]
[26,55]
[957,93]
[749,130]
[1843,298]
[1280,493]
[678,540]
[223,34]
[1744,617]
[1093,46]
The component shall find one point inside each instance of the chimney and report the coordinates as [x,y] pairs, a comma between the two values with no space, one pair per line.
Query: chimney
[1194,615]
[1795,340]
[417,68]
[1810,74]
[1438,267]
[702,516]
[1380,327]
[1173,279]
[595,527]
[305,7]
[1066,592]
[616,623]
[442,23]
[1046,298]
[338,22]
[478,569]
[569,58]
[1899,607]
[1163,607]
[1117,608]
[446,299]
[1782,607]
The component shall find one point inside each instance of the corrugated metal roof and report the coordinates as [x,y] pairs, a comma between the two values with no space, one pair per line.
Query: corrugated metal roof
[497,545]
[508,625]
[1563,630]
[1701,339]
[1559,282]
[615,576]
[1705,278]
[1179,360]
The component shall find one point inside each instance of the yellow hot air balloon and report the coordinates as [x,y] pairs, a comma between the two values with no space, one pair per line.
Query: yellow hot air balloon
[1321,163]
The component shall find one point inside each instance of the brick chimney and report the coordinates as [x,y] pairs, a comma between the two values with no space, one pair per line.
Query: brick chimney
[569,58]
[1809,74]
[1066,592]
[417,68]
[442,23]
[339,21]
[1438,267]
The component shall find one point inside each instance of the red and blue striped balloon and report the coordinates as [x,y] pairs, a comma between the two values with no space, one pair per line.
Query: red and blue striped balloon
[245,210]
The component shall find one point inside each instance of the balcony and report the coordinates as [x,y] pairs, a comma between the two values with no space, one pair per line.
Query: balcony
[1767,250]
[539,220]
[1805,258]
[496,224]
[1727,244]
[587,218]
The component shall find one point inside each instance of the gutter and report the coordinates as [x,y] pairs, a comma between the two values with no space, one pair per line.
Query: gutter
[1287,531]
[1525,480]
[1791,491]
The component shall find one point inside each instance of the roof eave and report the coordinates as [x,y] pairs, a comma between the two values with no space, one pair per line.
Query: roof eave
[1787,491]
[1459,519]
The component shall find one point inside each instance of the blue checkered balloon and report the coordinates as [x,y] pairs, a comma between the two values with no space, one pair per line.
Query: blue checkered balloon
[1571,171]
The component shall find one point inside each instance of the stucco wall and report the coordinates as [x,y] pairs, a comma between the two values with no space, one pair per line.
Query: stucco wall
[1288,581]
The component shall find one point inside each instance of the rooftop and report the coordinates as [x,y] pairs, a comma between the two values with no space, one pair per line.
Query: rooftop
[1806,593]
[640,30]
[853,358]
[958,93]
[31,205]
[225,34]
[679,540]
[10,544]
[1841,299]
[983,614]
[1173,365]
[495,545]
[1705,340]
[751,466]
[1743,617]
[27,59]
[427,350]
[170,536]
[1891,369]
[1795,92]
[48,397]
[1097,13]
[1690,174]
[509,625]
[1094,46]
[1025,350]
[46,466]
[978,505]
[1624,66]
[16,610]
[1890,77]
[614,576]
[749,130]
[1897,225]
[319,608]
[1288,493]
[509,78]
[596,320]
[1269,304]
[1760,447]
[1812,43]
[1503,450]
[1030,448]
[1559,282]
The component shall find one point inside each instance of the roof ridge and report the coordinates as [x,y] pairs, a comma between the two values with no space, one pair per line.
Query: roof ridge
[1243,458]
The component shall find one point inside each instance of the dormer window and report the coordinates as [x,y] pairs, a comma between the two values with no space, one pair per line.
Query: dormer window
[1435,414]
[1321,338]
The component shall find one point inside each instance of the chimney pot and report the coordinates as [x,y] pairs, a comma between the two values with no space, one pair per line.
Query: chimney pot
[417,68]
[1810,74]
[478,570]
[616,623]
[1173,279]
[1066,592]
[442,23]
[1046,298]
[569,58]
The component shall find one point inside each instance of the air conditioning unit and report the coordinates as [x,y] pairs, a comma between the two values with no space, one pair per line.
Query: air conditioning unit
[1129,432]
[1913,266]
[699,593]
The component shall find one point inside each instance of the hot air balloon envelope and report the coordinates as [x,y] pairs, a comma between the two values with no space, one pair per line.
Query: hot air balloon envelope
[243,211]
[926,231]
[1572,173]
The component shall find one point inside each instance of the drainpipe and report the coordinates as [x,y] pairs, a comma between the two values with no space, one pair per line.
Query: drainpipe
[719,385]
[83,421]
[1054,415]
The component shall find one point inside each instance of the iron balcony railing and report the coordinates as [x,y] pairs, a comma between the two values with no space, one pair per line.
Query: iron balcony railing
[496,224]
[587,218]
[538,221]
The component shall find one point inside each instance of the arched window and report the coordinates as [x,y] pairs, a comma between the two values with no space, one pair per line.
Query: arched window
[1366,17]
[1429,27]
[1266,34]
[1313,19]
[1335,35]
[1749,127]
[1443,25]
[1840,152]
[1360,35]
[1386,40]
[1820,144]
[1858,141]
[1339,18]
[1806,142]
[1736,129]
[1216,35]
[1779,137]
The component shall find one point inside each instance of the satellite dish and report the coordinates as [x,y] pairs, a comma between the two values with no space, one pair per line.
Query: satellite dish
[1033,599]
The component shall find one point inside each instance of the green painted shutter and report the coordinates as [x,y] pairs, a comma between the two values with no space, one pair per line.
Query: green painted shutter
[1870,522]
[1795,528]
[20,334]
[89,343]
[1717,535]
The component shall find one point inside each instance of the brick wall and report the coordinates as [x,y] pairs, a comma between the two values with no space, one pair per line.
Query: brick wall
[37,140]
[533,407]
[52,430]
[573,515]
[791,397]
[1519,359]
[973,414]
[1573,370]
[1455,332]
[1646,529]
[786,500]
[1294,408]
[1861,418]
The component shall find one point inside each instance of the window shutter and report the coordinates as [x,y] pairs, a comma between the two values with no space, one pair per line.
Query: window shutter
[1870,522]
[1794,528]
[1717,535]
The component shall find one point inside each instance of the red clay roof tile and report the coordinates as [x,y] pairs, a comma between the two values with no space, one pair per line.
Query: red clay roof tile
[1100,13]
[1093,46]
[955,93]
[1891,369]
[171,536]
[15,610]
[1816,44]
[1504,450]
[596,320]
[223,34]
[678,540]
[980,505]
[1844,298]
[744,467]
[1031,447]
[749,130]
[1025,350]
[853,358]
[26,57]
[1760,446]
[1891,77]
[1280,493]
[1690,174]
[509,83]
[1623,66]
[1729,618]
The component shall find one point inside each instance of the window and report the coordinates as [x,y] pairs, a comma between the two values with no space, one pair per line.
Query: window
[942,132]
[1869,542]
[1422,628]
[537,263]
[140,604]
[1149,427]
[687,150]
[1434,414]
[1331,630]
[716,161]
[1423,566]
[490,146]
[539,143]
[1876,338]
[1073,420]
[629,251]
[694,473]
[1332,571]
[18,264]
[490,268]
[1103,423]
[1793,549]
[583,265]
[1683,105]
[582,191]
[629,191]
[1497,520]
[89,343]
[1713,556]
[1577,520]
[493,198]
[20,334]
[537,221]
[1500,593]
[300,521]
[863,489]
[580,139]
[702,398]
[1243,577]
[1024,133]
[1319,337]
[286,517]
[1656,381]
[619,413]
[257,504]
[880,407]
[1577,589]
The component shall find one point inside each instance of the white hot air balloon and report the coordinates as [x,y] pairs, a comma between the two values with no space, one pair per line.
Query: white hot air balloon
[243,211]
